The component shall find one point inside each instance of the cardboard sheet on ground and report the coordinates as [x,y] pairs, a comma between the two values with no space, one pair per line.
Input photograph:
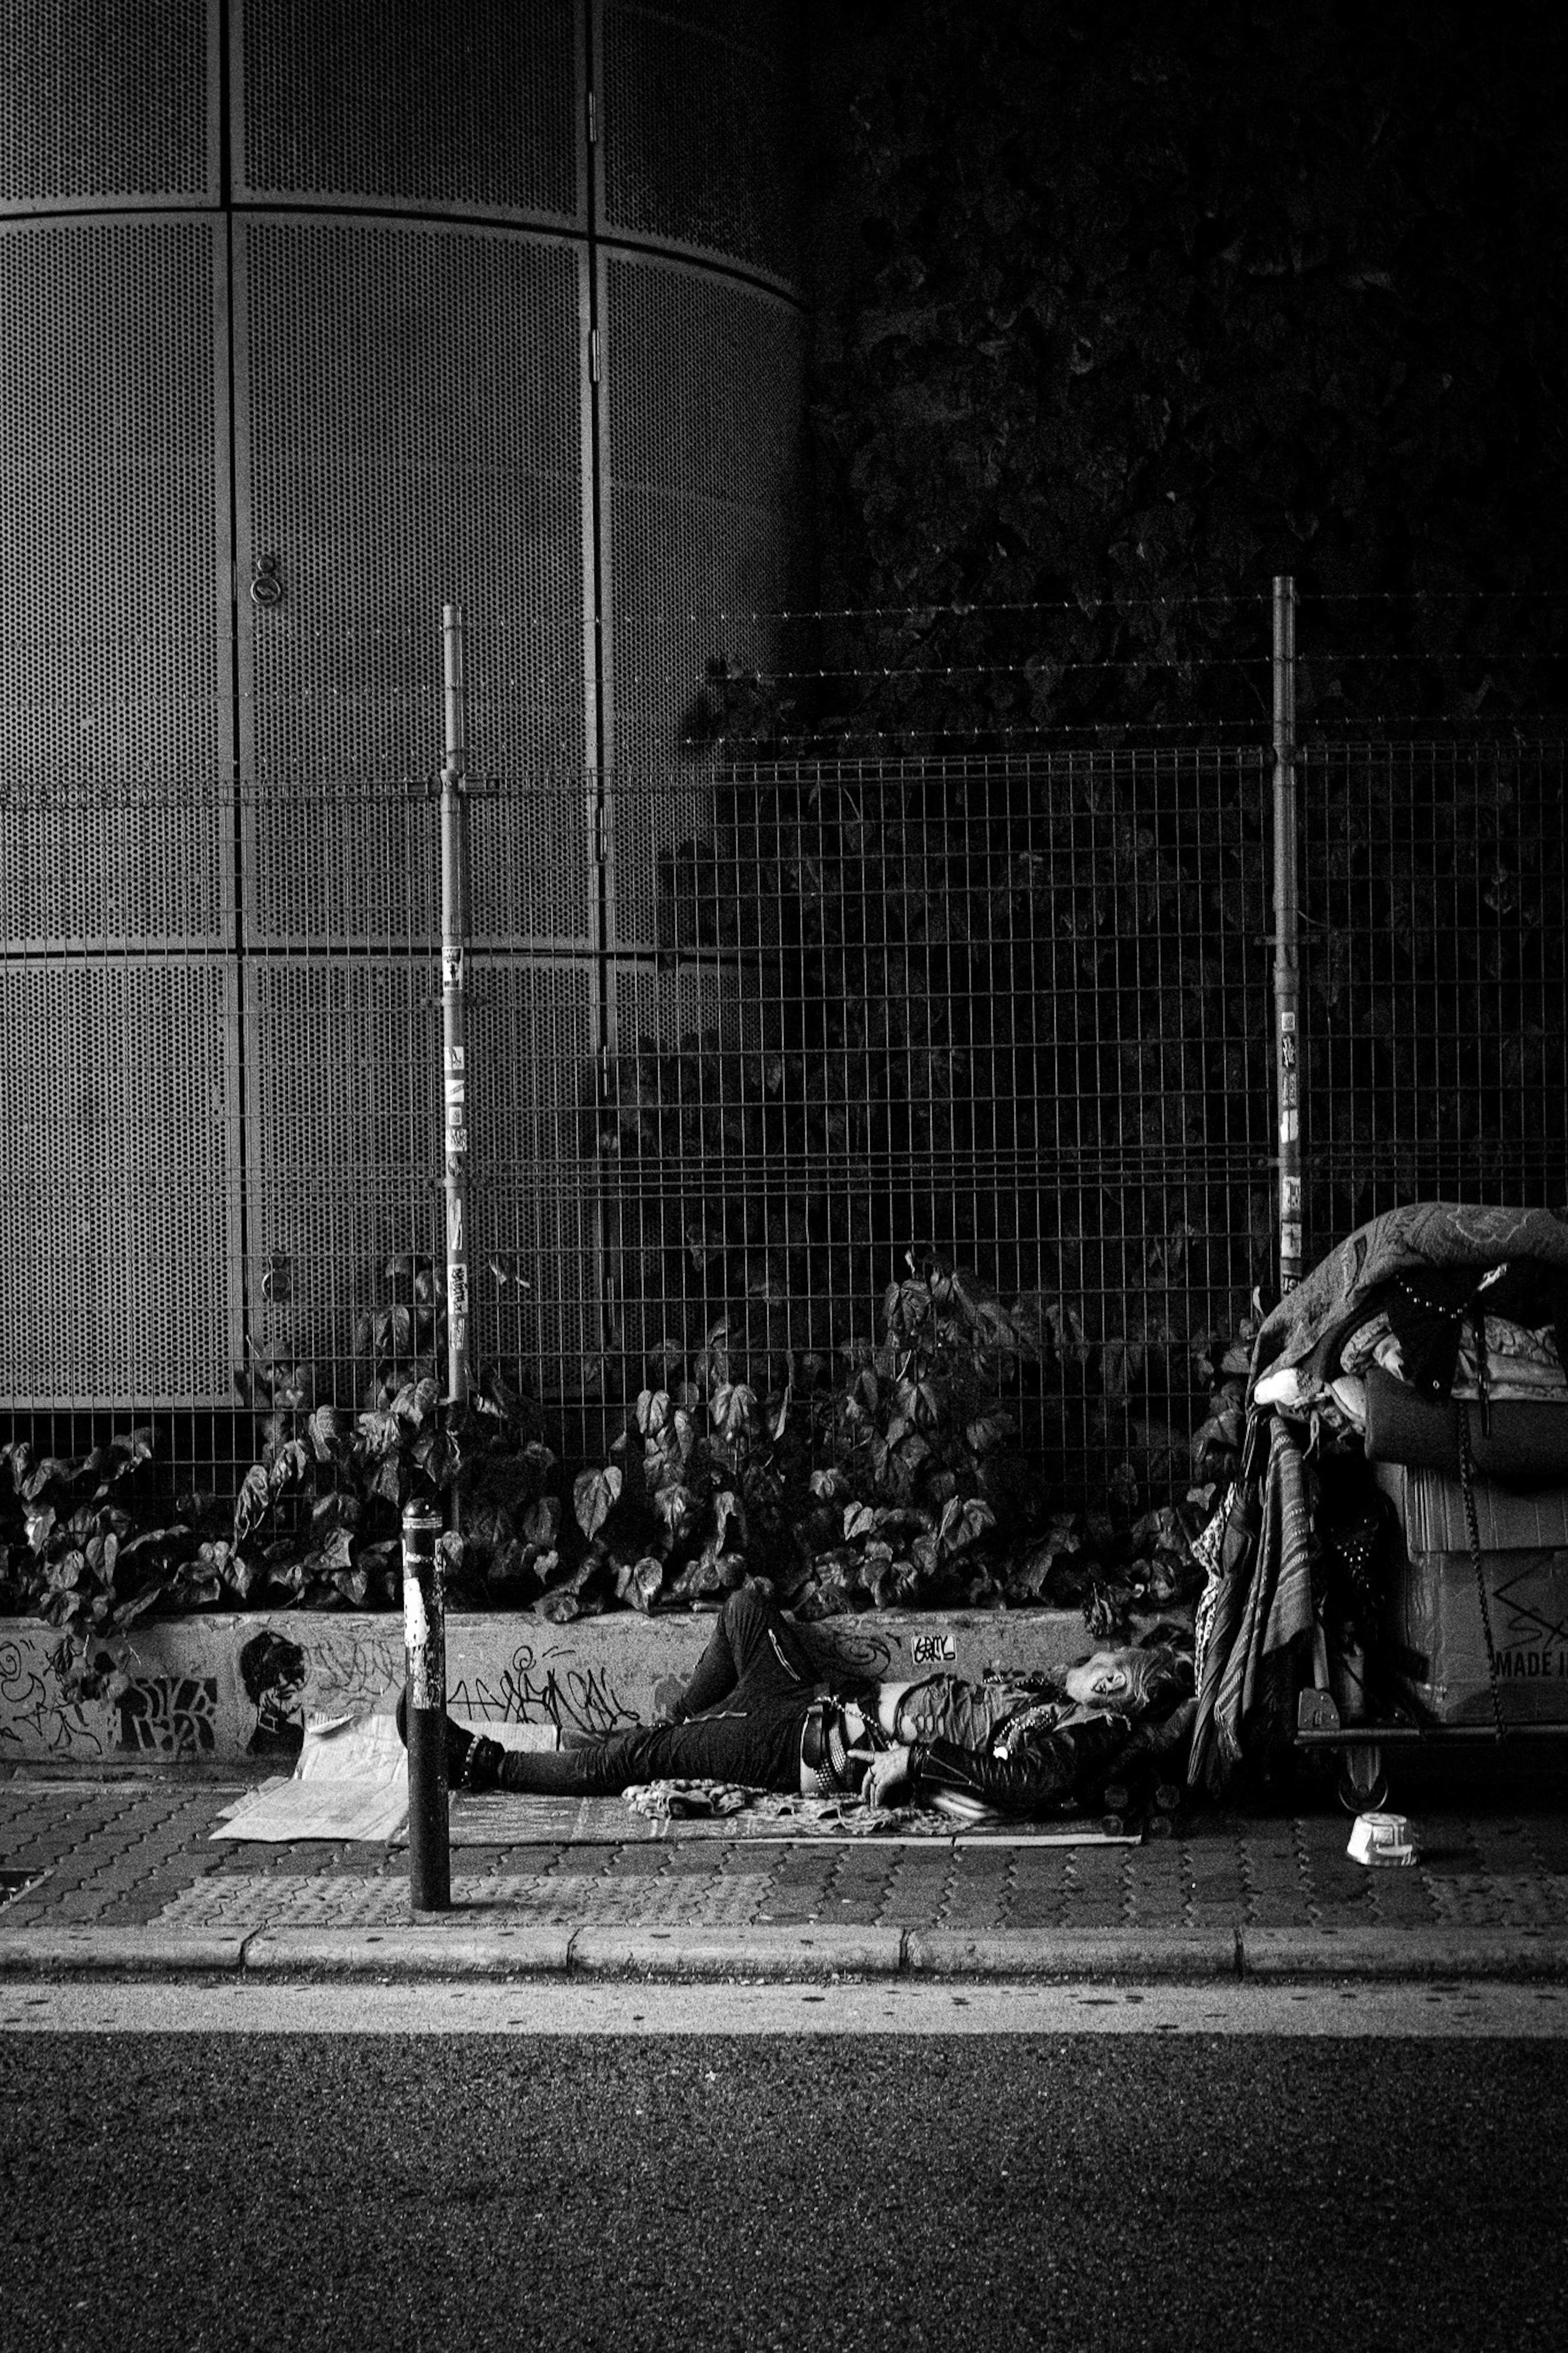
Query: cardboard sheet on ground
[351,1783]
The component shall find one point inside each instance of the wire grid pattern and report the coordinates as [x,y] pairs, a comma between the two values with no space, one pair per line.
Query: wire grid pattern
[1012,1011]
[1435,971]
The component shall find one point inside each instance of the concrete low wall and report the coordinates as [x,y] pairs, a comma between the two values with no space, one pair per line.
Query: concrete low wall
[239,1688]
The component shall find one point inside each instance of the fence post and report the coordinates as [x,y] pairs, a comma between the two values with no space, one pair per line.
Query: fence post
[424,1660]
[454,1001]
[1288,1058]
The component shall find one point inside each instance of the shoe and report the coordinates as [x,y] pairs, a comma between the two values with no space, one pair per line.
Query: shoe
[472,1761]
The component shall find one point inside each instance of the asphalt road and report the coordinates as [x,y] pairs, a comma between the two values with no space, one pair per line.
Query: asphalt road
[710,2191]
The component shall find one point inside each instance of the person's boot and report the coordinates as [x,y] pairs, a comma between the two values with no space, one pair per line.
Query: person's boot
[472,1761]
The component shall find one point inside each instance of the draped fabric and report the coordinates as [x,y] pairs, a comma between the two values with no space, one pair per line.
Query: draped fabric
[1259,1598]
[1263,1602]
[1427,1236]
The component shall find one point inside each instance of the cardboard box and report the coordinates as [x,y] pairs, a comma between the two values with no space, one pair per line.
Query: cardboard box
[1434,1639]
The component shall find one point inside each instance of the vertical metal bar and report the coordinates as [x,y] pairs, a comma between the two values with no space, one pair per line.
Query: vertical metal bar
[454,1002]
[1286,926]
[425,1655]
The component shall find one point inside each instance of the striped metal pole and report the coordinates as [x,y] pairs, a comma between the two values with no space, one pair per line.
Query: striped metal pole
[424,1660]
[1287,937]
[454,1002]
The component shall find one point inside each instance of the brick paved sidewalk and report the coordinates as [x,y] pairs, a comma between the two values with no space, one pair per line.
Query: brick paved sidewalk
[131,1854]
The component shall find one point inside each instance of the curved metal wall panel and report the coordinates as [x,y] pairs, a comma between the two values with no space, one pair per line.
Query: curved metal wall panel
[368,365]
[702,482]
[467,107]
[382,479]
[114,618]
[118,1248]
[700,132]
[107,104]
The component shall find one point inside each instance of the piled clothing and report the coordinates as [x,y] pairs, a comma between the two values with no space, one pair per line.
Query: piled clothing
[1426,1355]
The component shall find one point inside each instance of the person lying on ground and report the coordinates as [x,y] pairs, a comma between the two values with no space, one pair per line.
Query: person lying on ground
[759,1710]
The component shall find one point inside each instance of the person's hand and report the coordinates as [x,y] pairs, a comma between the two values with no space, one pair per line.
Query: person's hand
[887,1775]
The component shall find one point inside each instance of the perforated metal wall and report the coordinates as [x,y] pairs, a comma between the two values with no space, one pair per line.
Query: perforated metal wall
[105,104]
[470,107]
[118,1248]
[114,618]
[701,544]
[278,382]
[701,128]
[411,429]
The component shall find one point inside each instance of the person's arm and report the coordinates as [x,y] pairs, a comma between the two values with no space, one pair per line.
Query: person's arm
[1038,1775]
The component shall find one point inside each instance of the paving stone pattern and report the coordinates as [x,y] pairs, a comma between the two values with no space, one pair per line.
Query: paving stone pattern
[123,1855]
[129,1854]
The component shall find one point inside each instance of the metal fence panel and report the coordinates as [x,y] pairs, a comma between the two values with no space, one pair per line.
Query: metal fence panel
[1010,1010]
[1435,918]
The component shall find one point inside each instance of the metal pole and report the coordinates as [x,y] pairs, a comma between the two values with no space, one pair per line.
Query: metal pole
[1287,933]
[425,1649]
[454,1002]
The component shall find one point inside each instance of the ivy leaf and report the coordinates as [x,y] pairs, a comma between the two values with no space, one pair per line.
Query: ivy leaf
[989,1431]
[963,1522]
[734,1409]
[654,1408]
[637,1582]
[326,1429]
[594,1494]
[542,1521]
[252,1504]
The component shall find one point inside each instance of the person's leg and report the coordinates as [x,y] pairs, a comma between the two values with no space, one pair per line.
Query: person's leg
[759,1749]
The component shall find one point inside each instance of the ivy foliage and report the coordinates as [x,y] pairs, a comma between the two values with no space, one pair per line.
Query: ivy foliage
[84,1546]
[1125,309]
[899,1481]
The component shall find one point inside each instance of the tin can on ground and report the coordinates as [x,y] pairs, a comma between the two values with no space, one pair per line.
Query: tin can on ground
[1382,1840]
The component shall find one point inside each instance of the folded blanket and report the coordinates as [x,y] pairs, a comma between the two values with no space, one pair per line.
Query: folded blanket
[1524,1445]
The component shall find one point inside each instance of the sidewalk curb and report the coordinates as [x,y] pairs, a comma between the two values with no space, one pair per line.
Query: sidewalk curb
[439,1947]
[1412,1952]
[28,1952]
[450,1947]
[786,1953]
[1072,1953]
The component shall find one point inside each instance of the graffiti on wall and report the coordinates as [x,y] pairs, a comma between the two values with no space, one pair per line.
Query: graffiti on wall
[35,1719]
[274,1673]
[531,1689]
[170,1715]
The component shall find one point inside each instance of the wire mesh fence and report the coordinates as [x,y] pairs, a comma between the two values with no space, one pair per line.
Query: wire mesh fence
[742,1044]
[1434,921]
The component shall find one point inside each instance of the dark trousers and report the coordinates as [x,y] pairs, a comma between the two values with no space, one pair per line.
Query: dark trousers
[745,1707]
